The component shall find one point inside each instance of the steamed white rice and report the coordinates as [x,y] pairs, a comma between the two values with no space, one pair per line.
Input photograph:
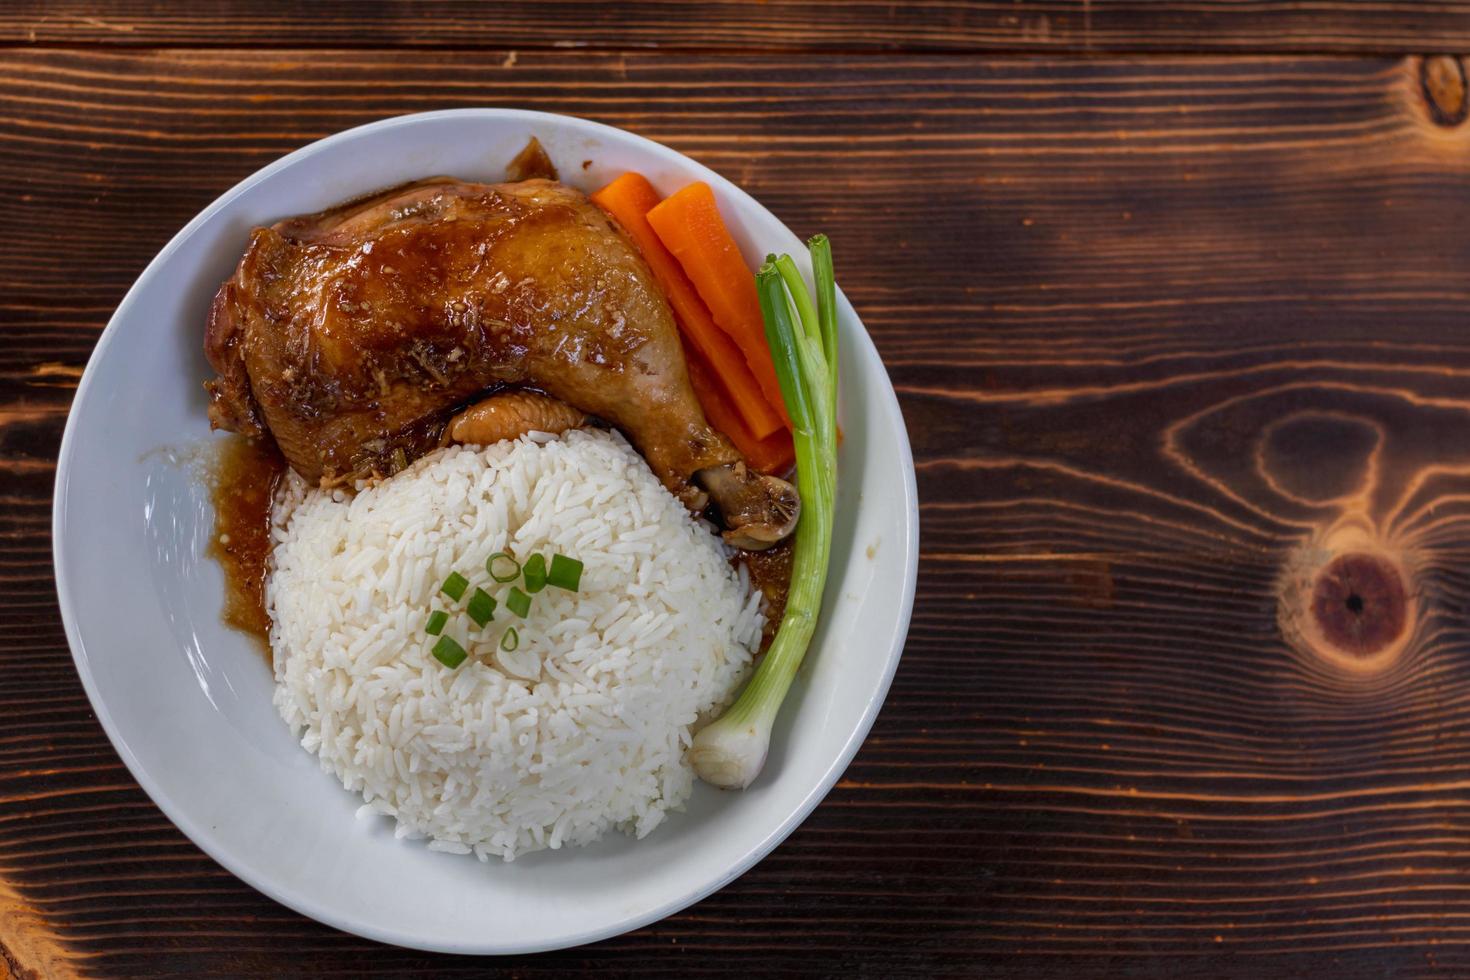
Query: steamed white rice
[660,633]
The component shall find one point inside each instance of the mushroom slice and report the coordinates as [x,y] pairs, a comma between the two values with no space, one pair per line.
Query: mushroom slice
[757,510]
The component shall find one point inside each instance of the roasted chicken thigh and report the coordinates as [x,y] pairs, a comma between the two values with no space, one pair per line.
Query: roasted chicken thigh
[352,337]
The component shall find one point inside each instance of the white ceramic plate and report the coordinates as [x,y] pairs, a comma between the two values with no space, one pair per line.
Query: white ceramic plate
[187,702]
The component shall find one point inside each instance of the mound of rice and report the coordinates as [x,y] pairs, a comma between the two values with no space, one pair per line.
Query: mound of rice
[660,633]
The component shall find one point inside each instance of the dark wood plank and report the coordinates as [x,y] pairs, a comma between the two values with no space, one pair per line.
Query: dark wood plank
[1155,324]
[1361,26]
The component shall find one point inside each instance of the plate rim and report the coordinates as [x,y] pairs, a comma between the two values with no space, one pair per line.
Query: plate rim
[302,904]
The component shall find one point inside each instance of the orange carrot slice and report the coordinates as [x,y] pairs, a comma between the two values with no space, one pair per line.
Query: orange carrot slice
[774,454]
[688,222]
[629,199]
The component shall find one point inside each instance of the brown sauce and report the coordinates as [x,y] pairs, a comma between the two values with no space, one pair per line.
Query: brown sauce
[770,571]
[242,484]
[530,163]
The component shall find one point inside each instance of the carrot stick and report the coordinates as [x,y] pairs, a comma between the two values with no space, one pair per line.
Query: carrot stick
[629,199]
[774,454]
[688,222]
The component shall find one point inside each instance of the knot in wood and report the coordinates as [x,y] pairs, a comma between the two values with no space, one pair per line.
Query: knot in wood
[1359,604]
[1346,598]
[1442,79]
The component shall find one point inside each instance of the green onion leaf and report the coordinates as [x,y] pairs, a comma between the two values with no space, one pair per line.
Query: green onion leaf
[481,608]
[448,652]
[518,602]
[454,586]
[806,310]
[502,567]
[821,250]
[781,337]
[535,573]
[566,573]
[436,622]
[510,640]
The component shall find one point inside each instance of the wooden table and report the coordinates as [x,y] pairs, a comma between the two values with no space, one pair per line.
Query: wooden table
[1176,297]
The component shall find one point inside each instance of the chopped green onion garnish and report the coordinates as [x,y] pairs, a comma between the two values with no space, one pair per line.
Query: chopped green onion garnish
[481,607]
[535,573]
[518,602]
[454,586]
[502,567]
[566,573]
[510,640]
[436,622]
[448,652]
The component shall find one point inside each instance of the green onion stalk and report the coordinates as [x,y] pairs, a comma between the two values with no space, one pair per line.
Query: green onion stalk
[802,335]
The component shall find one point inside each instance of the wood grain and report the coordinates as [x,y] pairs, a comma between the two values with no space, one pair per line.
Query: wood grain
[1037,26]
[1166,332]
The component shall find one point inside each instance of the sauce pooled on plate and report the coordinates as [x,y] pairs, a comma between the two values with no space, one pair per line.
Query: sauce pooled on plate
[243,483]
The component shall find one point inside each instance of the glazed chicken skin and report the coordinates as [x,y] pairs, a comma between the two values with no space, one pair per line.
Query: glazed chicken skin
[352,336]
